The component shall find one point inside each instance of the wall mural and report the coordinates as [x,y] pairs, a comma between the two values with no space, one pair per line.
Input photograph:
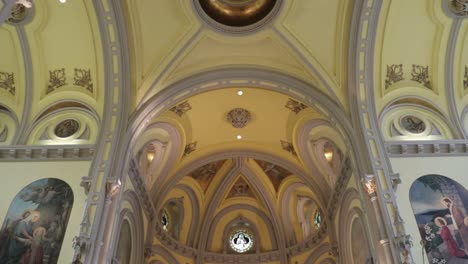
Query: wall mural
[440,206]
[35,224]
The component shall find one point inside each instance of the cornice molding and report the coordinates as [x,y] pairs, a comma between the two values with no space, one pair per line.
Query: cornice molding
[440,148]
[275,255]
[47,153]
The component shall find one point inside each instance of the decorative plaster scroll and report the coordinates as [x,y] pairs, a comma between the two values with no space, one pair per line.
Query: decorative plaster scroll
[465,81]
[394,74]
[420,74]
[57,79]
[7,82]
[189,148]
[295,106]
[83,78]
[427,148]
[288,146]
[181,108]
[83,152]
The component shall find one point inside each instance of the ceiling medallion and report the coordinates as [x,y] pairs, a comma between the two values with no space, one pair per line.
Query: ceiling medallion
[241,241]
[237,16]
[239,117]
[413,124]
[66,128]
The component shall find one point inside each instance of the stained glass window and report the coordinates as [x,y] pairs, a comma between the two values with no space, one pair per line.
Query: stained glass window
[165,220]
[241,241]
[317,219]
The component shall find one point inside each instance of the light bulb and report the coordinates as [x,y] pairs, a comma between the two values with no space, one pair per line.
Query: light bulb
[239,137]
[240,92]
[63,1]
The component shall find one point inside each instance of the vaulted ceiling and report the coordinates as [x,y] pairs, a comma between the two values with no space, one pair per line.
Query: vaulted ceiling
[53,79]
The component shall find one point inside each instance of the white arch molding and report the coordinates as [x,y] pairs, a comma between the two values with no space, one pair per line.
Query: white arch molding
[258,78]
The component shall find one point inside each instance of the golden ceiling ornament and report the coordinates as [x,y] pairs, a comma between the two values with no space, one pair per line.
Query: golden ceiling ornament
[239,117]
[237,15]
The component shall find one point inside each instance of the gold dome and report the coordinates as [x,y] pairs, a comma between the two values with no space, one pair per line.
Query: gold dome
[237,13]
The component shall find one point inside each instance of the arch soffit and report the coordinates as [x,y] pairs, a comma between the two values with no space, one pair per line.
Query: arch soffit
[224,78]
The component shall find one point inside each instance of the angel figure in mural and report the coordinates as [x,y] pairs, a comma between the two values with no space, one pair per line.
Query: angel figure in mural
[461,230]
[39,195]
[452,246]
[14,248]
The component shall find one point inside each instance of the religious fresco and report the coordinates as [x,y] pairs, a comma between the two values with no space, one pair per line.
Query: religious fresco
[440,206]
[35,224]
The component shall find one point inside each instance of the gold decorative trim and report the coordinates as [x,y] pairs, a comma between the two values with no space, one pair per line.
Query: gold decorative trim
[7,82]
[288,146]
[465,81]
[83,78]
[181,108]
[57,79]
[420,74]
[394,74]
[295,106]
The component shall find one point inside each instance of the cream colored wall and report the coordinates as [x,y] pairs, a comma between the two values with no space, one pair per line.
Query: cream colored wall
[412,168]
[15,176]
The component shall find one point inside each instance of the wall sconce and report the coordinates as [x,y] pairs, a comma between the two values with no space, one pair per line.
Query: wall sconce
[328,151]
[150,156]
[328,155]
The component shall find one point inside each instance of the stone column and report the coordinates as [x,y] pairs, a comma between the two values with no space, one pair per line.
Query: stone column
[370,187]
[112,189]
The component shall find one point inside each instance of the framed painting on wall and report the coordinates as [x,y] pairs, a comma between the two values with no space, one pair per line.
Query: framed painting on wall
[440,206]
[35,224]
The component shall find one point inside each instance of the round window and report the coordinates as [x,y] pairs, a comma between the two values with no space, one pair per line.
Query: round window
[241,241]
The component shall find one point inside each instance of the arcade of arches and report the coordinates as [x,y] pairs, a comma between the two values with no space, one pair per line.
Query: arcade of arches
[233,131]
